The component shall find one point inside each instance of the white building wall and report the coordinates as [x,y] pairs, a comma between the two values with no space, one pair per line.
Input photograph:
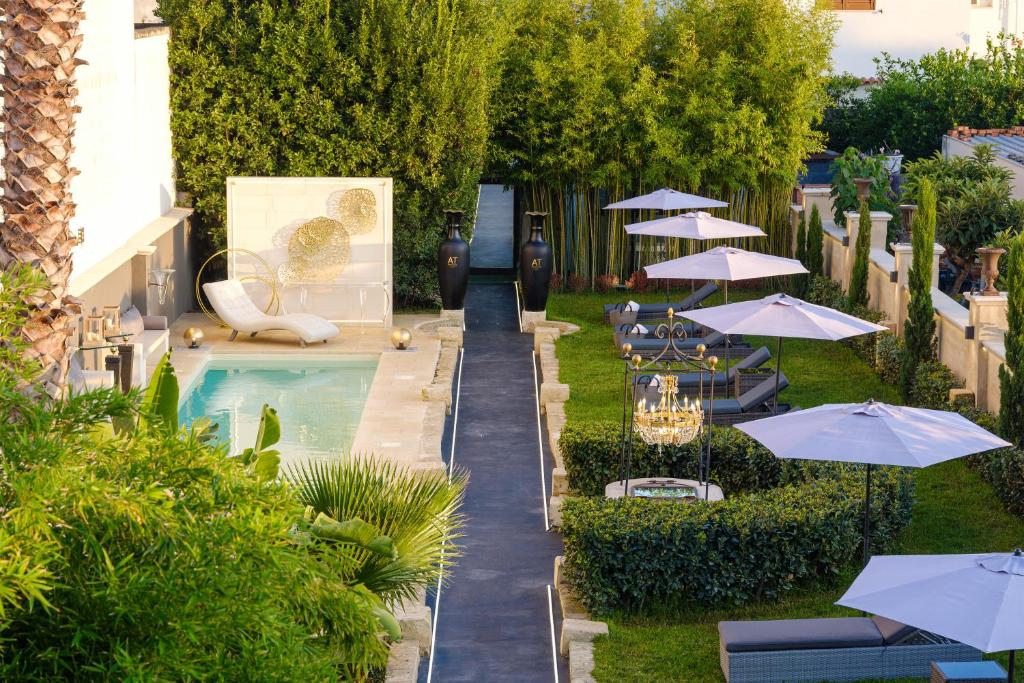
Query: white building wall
[122,136]
[909,29]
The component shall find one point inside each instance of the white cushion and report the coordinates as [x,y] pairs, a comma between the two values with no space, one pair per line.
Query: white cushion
[631,306]
[132,324]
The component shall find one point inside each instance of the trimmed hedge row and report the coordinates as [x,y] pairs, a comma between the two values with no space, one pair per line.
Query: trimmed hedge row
[591,452]
[629,552]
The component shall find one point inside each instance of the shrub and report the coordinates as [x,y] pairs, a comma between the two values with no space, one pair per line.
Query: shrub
[577,284]
[864,345]
[888,357]
[932,384]
[638,282]
[852,164]
[815,244]
[825,291]
[605,283]
[858,295]
[629,552]
[591,452]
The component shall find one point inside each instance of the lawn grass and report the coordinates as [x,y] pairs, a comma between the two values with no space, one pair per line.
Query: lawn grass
[956,511]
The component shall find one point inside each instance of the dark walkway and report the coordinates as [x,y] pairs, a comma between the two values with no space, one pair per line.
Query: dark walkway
[493,233]
[493,621]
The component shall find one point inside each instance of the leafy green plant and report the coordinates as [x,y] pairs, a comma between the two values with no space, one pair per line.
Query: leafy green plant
[417,512]
[801,253]
[825,291]
[261,460]
[974,203]
[919,329]
[858,295]
[815,244]
[888,357]
[932,384]
[631,552]
[850,165]
[1011,373]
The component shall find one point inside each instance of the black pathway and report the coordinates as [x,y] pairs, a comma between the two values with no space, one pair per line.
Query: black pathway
[493,621]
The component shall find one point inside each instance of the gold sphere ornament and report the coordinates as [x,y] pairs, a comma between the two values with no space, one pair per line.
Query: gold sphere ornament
[637,360]
[401,338]
[701,348]
[626,349]
[712,362]
[194,337]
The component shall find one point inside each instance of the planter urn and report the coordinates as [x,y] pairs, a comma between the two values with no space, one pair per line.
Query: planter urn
[535,265]
[863,188]
[453,264]
[907,212]
[990,269]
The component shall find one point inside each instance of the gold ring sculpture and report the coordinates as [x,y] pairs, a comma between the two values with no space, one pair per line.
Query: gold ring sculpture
[269,280]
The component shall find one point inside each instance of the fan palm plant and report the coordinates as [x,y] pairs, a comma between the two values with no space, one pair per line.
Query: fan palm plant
[40,39]
[418,512]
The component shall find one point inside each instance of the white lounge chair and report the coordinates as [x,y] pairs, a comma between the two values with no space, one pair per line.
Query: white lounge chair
[237,310]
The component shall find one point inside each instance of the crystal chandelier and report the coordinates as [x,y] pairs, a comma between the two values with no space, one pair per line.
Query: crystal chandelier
[668,423]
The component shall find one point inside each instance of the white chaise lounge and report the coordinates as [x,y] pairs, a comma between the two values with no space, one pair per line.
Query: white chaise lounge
[237,310]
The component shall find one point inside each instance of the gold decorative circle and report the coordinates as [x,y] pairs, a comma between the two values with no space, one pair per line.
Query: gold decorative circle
[269,280]
[318,251]
[356,209]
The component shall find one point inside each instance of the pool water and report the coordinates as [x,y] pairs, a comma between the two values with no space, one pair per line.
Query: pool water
[319,403]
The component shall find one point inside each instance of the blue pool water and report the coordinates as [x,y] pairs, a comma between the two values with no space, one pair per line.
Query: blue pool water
[319,403]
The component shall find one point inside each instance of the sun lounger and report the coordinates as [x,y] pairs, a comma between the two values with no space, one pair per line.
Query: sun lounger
[725,384]
[753,404]
[237,310]
[648,347]
[842,649]
[618,314]
[648,331]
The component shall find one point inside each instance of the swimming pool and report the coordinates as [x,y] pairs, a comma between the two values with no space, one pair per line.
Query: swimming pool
[319,402]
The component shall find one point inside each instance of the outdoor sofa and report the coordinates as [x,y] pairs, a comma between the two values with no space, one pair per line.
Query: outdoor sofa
[840,649]
[618,314]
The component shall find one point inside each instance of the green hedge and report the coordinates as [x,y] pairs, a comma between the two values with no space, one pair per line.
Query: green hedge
[591,452]
[626,553]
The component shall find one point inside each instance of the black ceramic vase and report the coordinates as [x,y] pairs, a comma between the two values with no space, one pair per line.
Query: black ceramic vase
[453,264]
[535,265]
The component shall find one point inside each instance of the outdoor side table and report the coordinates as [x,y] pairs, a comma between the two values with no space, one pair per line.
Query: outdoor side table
[967,672]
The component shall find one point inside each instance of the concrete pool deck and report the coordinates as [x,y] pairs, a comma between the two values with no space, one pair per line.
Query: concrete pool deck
[402,418]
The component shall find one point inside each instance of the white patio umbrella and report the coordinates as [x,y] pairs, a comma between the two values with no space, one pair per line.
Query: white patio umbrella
[726,263]
[781,315]
[974,599]
[872,433]
[696,225]
[667,199]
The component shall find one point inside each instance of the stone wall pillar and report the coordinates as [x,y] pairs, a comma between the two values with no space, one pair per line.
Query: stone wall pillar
[820,197]
[987,322]
[903,254]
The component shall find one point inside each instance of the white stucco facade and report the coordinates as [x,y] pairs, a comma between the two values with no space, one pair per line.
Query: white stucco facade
[909,29]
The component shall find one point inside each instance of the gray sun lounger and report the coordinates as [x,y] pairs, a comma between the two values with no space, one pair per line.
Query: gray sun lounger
[841,649]
[690,382]
[648,347]
[617,315]
[753,404]
[629,332]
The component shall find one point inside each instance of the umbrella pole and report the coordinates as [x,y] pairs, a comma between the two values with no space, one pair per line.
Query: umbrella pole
[727,350]
[778,372]
[1010,672]
[867,516]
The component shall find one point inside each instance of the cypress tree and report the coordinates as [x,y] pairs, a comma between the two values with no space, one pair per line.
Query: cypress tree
[858,294]
[800,281]
[919,330]
[815,244]
[1011,374]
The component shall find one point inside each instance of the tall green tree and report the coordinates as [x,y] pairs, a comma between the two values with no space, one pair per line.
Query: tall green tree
[801,253]
[1011,373]
[919,329]
[857,295]
[398,88]
[815,244]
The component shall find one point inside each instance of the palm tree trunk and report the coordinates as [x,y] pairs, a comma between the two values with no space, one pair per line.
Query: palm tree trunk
[39,40]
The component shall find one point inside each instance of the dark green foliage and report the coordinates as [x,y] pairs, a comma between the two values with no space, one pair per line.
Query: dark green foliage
[973,206]
[858,294]
[601,101]
[310,88]
[888,357]
[825,291]
[591,451]
[815,244]
[864,345]
[919,328]
[631,552]
[932,384]
[800,281]
[917,102]
[852,164]
[1011,373]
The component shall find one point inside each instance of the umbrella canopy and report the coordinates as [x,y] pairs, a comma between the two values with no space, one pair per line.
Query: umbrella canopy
[781,315]
[725,263]
[872,433]
[974,599]
[667,199]
[697,225]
